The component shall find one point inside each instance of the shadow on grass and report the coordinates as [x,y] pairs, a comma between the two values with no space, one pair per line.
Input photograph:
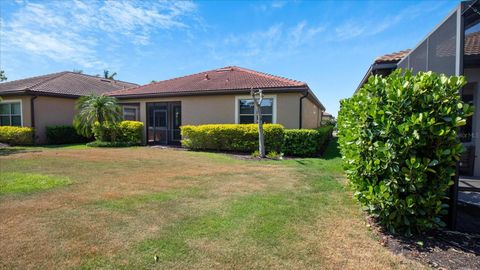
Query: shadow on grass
[333,150]
[7,151]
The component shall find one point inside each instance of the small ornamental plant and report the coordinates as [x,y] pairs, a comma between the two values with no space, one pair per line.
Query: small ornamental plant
[398,139]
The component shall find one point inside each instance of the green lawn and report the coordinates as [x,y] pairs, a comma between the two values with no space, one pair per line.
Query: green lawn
[191,210]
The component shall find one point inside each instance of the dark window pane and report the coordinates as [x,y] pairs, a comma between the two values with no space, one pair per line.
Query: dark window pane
[267,106]
[246,119]
[16,120]
[128,117]
[4,120]
[267,119]
[16,108]
[246,106]
[4,108]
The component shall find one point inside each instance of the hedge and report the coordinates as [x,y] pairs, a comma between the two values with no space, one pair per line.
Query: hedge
[125,132]
[64,135]
[16,135]
[398,139]
[306,142]
[232,137]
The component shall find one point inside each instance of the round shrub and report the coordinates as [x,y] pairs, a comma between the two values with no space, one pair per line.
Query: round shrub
[398,139]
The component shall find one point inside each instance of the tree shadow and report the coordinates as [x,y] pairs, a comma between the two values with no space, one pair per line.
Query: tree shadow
[332,151]
[7,151]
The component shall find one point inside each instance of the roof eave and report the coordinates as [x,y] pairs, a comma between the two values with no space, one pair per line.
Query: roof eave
[290,89]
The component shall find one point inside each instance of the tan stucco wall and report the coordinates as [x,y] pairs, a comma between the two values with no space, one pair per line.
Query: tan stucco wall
[50,111]
[311,114]
[220,109]
[26,118]
[473,75]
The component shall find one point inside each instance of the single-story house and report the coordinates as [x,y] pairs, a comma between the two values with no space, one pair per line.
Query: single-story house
[49,100]
[219,96]
[452,48]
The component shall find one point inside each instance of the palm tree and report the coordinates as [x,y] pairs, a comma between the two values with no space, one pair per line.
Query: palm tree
[107,76]
[95,108]
[2,76]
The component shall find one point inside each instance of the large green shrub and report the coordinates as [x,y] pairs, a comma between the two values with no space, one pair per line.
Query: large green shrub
[232,137]
[129,132]
[16,135]
[398,139]
[63,135]
[306,142]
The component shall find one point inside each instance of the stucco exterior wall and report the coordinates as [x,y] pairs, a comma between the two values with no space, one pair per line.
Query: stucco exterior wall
[51,111]
[311,114]
[473,76]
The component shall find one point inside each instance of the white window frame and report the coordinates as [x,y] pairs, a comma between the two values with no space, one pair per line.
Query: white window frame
[7,101]
[237,107]
[137,109]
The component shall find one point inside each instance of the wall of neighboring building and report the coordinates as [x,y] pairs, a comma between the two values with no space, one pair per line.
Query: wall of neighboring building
[473,76]
[311,114]
[220,109]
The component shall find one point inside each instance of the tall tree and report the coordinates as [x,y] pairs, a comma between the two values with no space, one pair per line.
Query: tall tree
[257,97]
[95,108]
[106,75]
[2,76]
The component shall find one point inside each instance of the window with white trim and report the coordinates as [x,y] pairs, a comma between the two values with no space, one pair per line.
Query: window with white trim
[246,111]
[10,113]
[130,113]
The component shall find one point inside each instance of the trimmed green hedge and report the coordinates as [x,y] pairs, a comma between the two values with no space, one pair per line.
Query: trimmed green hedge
[306,142]
[64,135]
[16,135]
[125,132]
[232,137]
[398,139]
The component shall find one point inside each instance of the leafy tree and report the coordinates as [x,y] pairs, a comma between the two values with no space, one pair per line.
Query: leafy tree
[107,75]
[398,138]
[94,108]
[2,76]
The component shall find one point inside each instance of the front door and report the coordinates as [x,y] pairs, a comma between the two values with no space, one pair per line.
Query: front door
[164,121]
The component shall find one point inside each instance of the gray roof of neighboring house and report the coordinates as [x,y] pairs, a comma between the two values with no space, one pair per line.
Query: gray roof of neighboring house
[68,84]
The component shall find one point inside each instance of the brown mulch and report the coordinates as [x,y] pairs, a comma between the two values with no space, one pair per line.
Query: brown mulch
[440,249]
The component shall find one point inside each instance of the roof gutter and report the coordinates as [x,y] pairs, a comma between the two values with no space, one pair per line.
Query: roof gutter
[32,111]
[300,118]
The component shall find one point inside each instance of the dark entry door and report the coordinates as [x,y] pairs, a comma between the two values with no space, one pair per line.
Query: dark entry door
[164,121]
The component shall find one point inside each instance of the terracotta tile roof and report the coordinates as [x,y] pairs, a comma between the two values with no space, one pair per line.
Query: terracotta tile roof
[64,84]
[391,57]
[224,79]
[472,44]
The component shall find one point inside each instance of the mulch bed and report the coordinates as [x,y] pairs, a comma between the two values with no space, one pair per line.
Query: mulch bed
[440,249]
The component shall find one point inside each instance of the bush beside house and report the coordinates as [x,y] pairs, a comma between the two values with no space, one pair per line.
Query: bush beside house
[232,137]
[244,138]
[124,133]
[398,139]
[306,142]
[16,135]
[64,135]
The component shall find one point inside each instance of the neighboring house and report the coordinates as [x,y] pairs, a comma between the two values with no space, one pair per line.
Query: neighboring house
[49,99]
[452,48]
[327,116]
[218,96]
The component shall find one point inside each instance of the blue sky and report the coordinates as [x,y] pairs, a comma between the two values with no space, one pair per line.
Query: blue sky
[329,45]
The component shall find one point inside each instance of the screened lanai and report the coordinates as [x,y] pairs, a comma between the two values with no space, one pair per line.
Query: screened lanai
[453,48]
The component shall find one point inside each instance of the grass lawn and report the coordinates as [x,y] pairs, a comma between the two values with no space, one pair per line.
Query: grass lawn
[119,208]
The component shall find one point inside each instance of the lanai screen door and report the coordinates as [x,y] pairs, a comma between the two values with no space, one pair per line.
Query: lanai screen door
[164,120]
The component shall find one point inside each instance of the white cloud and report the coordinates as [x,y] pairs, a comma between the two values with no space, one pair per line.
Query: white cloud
[72,31]
[275,41]
[265,6]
